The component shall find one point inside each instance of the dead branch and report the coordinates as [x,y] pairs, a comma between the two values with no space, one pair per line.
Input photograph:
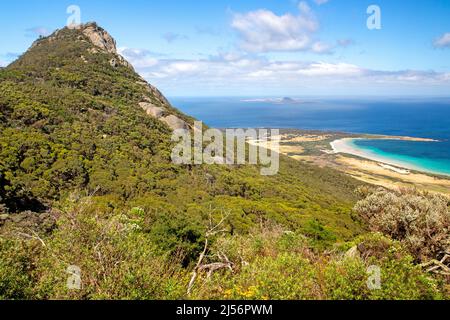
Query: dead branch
[34,236]
[213,267]
[436,266]
[196,269]
[213,230]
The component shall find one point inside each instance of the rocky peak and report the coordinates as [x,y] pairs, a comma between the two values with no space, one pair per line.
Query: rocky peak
[99,37]
[153,102]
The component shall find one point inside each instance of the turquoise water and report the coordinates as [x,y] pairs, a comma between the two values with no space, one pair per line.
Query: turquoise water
[410,154]
[423,118]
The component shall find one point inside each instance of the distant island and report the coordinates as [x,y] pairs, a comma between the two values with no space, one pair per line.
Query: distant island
[285,100]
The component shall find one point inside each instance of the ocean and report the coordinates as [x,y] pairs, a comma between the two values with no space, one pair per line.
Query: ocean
[413,117]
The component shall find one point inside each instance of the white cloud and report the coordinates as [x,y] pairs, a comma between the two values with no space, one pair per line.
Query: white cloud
[182,67]
[265,31]
[240,73]
[322,69]
[234,71]
[3,64]
[443,41]
[320,2]
[138,58]
[409,77]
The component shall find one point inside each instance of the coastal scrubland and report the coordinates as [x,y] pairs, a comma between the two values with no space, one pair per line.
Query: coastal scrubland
[314,147]
[86,181]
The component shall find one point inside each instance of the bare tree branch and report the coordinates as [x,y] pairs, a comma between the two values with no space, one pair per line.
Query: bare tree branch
[34,236]
[213,230]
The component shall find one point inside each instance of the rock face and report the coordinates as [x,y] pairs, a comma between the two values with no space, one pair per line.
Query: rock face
[104,42]
[161,113]
[152,110]
[119,61]
[99,37]
[175,123]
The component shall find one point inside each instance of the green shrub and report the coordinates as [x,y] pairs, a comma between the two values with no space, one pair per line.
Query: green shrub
[277,265]
[16,268]
[116,259]
[420,220]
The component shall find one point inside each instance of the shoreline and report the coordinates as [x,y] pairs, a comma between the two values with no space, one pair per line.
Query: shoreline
[345,146]
[399,138]
[313,147]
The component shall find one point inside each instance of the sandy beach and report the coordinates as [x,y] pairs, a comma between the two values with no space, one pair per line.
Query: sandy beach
[337,151]
[374,173]
[346,146]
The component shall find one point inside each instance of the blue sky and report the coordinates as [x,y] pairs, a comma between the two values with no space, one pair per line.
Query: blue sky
[260,48]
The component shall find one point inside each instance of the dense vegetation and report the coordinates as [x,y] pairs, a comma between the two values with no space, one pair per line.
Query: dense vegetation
[86,180]
[419,220]
[121,256]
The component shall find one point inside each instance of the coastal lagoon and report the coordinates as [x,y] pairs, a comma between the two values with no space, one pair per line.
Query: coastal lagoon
[412,117]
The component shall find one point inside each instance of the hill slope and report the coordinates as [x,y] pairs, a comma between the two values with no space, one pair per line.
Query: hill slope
[77,118]
[91,206]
